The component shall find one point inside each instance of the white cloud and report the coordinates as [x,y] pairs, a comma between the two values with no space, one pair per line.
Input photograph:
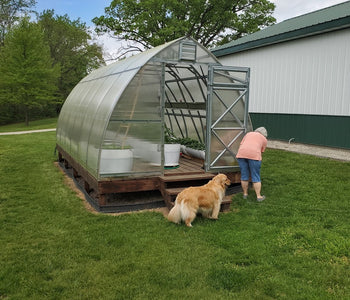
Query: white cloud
[112,47]
[286,9]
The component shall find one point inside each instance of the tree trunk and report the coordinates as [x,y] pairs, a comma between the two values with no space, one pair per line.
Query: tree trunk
[26,114]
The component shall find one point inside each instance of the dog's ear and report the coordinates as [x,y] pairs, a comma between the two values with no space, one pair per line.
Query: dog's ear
[219,178]
[225,180]
[222,179]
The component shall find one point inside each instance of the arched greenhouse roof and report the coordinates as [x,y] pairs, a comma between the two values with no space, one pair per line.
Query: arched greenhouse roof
[125,107]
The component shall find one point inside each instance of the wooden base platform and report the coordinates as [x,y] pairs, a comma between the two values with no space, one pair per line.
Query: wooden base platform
[120,195]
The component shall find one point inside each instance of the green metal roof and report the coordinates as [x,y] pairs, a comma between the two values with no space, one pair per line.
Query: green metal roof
[328,19]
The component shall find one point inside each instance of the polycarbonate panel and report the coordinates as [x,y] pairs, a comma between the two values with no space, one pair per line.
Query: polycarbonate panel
[222,101]
[80,125]
[71,114]
[143,138]
[102,116]
[170,53]
[223,144]
[204,56]
[98,95]
[141,98]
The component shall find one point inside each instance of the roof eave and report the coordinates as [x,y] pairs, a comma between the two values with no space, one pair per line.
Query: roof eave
[286,36]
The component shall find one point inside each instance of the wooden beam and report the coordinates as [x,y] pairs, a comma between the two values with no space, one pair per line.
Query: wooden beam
[126,186]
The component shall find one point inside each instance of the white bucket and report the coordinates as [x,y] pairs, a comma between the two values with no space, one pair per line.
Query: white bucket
[171,155]
[116,161]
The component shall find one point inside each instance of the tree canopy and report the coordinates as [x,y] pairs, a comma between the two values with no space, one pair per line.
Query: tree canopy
[149,23]
[70,49]
[40,63]
[10,11]
[27,75]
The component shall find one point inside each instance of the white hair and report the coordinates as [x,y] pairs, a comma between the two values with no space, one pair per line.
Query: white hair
[262,130]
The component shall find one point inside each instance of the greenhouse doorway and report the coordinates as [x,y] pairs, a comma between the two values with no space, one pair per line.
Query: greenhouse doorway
[210,105]
[227,115]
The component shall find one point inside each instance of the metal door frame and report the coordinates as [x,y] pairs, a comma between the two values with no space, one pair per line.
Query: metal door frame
[236,84]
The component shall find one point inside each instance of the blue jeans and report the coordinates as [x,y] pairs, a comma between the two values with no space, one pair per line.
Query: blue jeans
[249,166]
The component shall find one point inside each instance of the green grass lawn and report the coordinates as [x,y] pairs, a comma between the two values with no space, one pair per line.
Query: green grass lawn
[294,245]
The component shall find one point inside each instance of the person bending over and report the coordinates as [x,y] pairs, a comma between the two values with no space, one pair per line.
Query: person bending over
[249,158]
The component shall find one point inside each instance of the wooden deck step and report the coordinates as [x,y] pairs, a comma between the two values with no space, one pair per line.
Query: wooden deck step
[174,191]
[226,203]
[170,195]
[171,185]
[188,177]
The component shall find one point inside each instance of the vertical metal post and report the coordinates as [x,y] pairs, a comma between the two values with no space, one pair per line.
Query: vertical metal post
[246,117]
[208,116]
[162,109]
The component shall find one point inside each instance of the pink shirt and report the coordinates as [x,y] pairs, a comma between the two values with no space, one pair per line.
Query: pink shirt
[252,145]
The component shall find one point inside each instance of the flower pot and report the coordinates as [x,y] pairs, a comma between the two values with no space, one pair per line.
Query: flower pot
[116,161]
[171,155]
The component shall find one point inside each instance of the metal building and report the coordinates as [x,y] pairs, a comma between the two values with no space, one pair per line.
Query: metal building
[300,75]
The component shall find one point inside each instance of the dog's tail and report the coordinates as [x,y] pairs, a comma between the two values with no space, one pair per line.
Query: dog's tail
[175,214]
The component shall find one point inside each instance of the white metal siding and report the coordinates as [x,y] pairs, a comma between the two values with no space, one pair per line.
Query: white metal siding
[305,76]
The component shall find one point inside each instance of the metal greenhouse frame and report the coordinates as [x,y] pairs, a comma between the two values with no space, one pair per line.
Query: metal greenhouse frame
[111,130]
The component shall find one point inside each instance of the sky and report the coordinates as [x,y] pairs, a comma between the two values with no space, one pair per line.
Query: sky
[86,10]
[286,9]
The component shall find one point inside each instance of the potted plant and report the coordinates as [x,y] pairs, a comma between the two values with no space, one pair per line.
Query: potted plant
[192,147]
[116,158]
[171,149]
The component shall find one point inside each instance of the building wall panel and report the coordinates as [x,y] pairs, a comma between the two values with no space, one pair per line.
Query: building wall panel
[332,131]
[304,76]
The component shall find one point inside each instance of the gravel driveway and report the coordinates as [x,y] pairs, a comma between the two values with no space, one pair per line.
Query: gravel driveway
[328,152]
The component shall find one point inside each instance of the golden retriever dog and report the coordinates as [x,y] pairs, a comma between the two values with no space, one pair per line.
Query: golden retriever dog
[205,199]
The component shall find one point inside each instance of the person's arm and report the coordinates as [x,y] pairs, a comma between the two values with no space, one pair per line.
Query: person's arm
[242,141]
[264,145]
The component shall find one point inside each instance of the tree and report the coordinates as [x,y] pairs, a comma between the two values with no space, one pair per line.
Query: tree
[10,11]
[149,23]
[70,49]
[27,75]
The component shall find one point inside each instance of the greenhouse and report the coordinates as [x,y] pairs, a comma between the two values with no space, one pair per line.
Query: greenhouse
[115,126]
